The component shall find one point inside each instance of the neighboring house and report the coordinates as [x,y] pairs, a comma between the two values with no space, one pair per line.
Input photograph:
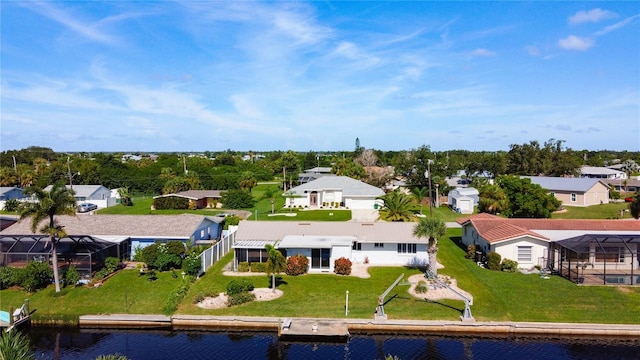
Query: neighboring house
[95,194]
[625,186]
[198,199]
[335,191]
[574,191]
[313,174]
[9,193]
[596,172]
[377,243]
[559,244]
[125,234]
[463,200]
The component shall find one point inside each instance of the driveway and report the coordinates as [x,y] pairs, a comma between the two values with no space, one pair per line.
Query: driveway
[364,215]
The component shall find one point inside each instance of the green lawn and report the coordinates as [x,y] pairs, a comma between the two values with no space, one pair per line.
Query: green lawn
[126,292]
[498,296]
[603,211]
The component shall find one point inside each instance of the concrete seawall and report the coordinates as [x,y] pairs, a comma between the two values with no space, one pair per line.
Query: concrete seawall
[239,323]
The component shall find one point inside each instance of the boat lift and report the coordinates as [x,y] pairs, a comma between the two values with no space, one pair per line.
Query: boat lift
[466,313]
[380,309]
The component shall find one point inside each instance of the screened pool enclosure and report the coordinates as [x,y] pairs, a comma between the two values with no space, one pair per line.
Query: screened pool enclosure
[602,259]
[86,253]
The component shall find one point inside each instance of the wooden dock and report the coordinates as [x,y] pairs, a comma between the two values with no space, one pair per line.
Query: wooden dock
[321,330]
[15,319]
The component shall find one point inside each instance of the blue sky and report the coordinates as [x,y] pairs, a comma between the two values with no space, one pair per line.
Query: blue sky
[216,75]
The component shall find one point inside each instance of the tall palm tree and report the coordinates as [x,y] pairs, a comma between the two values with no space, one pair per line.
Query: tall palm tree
[276,263]
[397,206]
[58,201]
[432,229]
[493,199]
[419,193]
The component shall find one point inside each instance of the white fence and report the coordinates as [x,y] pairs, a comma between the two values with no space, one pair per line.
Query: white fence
[216,252]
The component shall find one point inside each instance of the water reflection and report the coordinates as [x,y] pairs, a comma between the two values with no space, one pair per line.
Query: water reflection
[85,344]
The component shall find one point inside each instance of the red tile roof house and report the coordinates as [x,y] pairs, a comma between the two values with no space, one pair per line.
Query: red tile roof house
[605,250]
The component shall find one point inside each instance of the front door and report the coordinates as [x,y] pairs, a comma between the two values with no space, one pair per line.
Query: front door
[313,199]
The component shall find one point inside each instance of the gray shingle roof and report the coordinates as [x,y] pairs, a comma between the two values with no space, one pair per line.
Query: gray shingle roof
[120,225]
[82,190]
[349,186]
[364,232]
[565,184]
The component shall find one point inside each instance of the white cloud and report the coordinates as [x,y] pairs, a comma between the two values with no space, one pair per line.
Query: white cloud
[594,15]
[617,25]
[483,52]
[576,43]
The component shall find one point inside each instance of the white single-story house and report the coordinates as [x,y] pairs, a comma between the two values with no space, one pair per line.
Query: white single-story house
[463,200]
[378,243]
[574,191]
[559,244]
[95,194]
[597,172]
[335,191]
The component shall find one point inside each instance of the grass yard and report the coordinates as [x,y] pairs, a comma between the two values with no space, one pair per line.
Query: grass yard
[126,292]
[603,211]
[498,296]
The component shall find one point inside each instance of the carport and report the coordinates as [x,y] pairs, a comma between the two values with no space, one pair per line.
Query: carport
[599,259]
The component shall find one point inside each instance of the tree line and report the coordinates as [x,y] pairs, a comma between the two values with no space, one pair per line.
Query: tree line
[227,170]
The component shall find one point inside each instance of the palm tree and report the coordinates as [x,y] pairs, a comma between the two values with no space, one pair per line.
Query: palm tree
[493,199]
[58,201]
[419,193]
[397,206]
[270,193]
[276,263]
[431,228]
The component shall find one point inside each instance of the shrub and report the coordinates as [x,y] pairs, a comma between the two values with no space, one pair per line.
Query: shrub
[192,264]
[297,265]
[11,205]
[151,275]
[165,262]
[10,276]
[342,266]
[175,247]
[243,266]
[259,267]
[15,345]
[509,265]
[111,264]
[237,199]
[471,252]
[37,275]
[177,295]
[71,276]
[421,287]
[237,286]
[100,274]
[240,298]
[493,261]
[173,202]
[149,254]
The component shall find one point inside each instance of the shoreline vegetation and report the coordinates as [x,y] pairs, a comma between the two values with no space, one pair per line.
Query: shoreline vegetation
[498,296]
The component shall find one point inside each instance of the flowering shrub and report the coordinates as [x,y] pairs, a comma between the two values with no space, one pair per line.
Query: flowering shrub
[342,266]
[493,261]
[297,265]
[509,265]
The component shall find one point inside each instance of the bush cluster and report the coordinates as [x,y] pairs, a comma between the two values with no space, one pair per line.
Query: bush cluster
[243,266]
[177,295]
[237,286]
[173,202]
[163,256]
[297,265]
[421,287]
[509,265]
[259,267]
[471,252]
[37,275]
[71,276]
[240,298]
[192,264]
[342,266]
[493,261]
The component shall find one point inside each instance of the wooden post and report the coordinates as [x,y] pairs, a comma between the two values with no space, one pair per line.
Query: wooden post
[10,316]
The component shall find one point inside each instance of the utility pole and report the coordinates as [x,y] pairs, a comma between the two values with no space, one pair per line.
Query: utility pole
[430,194]
[69,173]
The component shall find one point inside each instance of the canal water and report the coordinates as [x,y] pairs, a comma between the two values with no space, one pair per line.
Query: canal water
[138,345]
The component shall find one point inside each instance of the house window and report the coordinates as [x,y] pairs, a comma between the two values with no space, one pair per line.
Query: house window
[524,254]
[407,248]
[378,245]
[574,197]
[356,246]
[621,252]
